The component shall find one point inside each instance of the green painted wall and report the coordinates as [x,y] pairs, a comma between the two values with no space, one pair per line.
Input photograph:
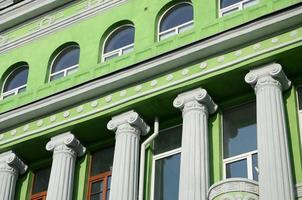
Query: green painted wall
[89,33]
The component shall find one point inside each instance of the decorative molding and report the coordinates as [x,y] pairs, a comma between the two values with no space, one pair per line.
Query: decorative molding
[142,89]
[53,22]
[233,185]
[66,142]
[9,161]
[126,121]
[299,190]
[188,100]
[269,74]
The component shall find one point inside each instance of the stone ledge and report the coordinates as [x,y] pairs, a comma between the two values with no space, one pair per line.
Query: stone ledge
[223,189]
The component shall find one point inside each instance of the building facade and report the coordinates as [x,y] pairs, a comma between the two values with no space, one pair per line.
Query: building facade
[150,100]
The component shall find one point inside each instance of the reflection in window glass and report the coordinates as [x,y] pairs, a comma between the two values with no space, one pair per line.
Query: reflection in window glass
[255,166]
[239,128]
[120,38]
[237,169]
[167,140]
[102,161]
[167,178]
[16,79]
[226,3]
[67,58]
[41,179]
[177,15]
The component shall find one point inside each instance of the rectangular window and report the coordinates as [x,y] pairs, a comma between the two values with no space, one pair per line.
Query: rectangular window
[166,164]
[229,6]
[40,184]
[240,142]
[299,94]
[100,174]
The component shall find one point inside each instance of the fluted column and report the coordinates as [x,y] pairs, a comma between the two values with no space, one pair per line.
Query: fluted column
[10,168]
[66,147]
[128,127]
[196,105]
[275,177]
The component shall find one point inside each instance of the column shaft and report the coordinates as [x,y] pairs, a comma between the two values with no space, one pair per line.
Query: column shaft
[65,149]
[128,127]
[194,168]
[275,176]
[10,168]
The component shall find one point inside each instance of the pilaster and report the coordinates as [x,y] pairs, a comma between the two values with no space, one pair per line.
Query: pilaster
[128,127]
[65,147]
[196,105]
[10,168]
[275,177]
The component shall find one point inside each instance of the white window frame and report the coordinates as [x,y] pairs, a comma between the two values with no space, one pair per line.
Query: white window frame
[236,7]
[66,70]
[245,156]
[175,30]
[158,157]
[14,91]
[299,113]
[117,52]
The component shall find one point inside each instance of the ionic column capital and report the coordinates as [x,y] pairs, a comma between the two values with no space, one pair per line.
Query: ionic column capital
[10,162]
[66,143]
[271,74]
[128,122]
[195,99]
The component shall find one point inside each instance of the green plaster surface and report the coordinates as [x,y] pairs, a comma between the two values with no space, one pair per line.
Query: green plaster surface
[89,34]
[199,71]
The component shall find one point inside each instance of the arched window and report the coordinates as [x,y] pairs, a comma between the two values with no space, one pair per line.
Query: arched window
[15,82]
[66,62]
[119,42]
[175,20]
[229,6]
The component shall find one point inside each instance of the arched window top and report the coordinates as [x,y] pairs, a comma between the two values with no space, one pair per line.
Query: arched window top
[15,82]
[119,42]
[66,62]
[176,19]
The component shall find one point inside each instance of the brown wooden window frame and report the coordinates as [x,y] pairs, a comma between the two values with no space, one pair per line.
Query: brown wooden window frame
[100,177]
[39,196]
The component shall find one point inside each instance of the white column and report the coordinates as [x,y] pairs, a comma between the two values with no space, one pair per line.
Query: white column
[10,168]
[128,127]
[66,147]
[275,177]
[196,105]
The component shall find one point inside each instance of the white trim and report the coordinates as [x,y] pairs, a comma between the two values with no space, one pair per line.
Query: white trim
[299,113]
[245,156]
[235,7]
[15,90]
[158,157]
[119,51]
[12,92]
[177,28]
[66,70]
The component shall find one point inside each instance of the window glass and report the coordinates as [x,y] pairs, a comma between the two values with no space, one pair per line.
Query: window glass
[41,180]
[177,15]
[167,178]
[226,3]
[168,139]
[237,169]
[239,128]
[120,38]
[102,161]
[16,79]
[68,57]
[299,90]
